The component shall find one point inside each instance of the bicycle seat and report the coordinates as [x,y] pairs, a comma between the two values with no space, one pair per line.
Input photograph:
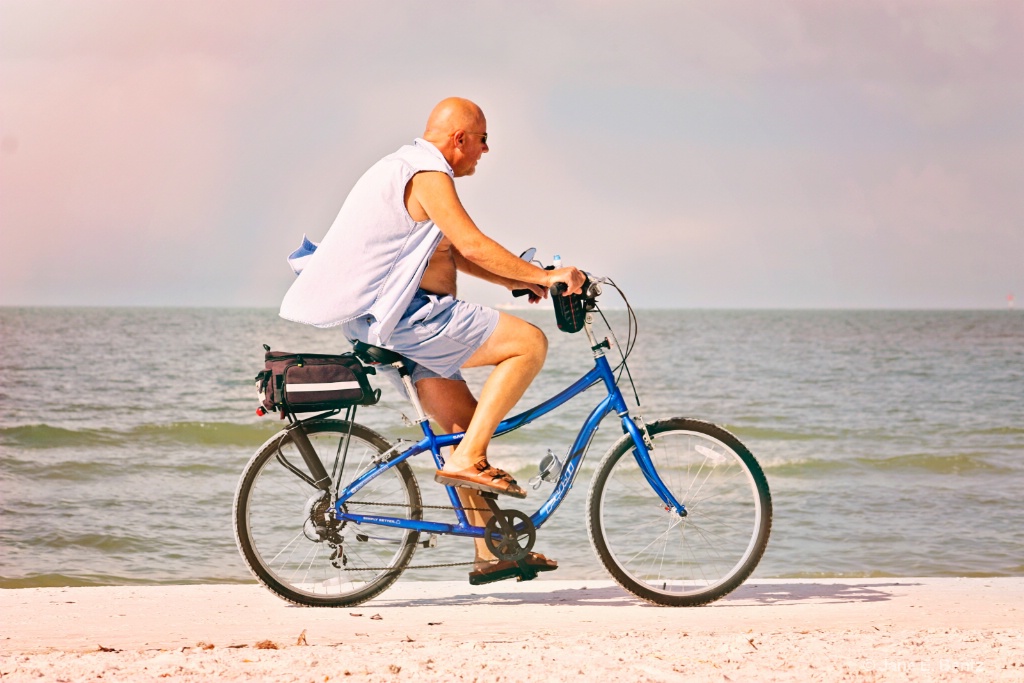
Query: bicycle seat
[375,354]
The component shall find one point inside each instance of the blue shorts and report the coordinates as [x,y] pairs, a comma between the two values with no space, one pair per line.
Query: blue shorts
[438,333]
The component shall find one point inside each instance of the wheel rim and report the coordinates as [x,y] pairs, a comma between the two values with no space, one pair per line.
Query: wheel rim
[682,556]
[297,543]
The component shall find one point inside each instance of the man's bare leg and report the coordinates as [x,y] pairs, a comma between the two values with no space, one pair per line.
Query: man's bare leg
[451,404]
[517,350]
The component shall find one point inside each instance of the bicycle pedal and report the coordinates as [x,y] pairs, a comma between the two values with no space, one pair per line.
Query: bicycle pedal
[430,542]
[526,572]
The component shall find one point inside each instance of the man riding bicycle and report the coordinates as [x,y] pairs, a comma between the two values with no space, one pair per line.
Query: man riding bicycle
[386,272]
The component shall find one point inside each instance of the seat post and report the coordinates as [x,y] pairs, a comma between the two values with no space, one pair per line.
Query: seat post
[410,390]
[376,354]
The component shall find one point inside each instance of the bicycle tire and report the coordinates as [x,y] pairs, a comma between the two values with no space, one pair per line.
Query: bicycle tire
[681,561]
[288,542]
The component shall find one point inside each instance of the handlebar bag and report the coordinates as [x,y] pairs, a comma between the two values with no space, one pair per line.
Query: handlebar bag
[309,382]
[571,310]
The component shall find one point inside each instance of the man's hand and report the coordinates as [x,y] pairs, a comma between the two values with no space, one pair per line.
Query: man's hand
[572,277]
[536,292]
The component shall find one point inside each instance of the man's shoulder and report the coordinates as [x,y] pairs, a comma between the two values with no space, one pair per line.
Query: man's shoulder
[418,158]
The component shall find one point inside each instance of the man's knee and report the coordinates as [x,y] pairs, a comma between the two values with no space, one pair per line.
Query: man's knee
[513,338]
[537,343]
[530,342]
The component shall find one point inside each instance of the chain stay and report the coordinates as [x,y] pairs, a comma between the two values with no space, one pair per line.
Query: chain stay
[405,505]
[415,566]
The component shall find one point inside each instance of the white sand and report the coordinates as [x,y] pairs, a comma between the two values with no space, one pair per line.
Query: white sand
[545,630]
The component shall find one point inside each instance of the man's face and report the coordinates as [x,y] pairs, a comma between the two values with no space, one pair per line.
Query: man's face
[474,145]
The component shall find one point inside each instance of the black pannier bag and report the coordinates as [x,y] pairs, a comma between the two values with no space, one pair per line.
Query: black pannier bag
[311,382]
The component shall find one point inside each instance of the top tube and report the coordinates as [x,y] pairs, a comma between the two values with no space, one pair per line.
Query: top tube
[516,421]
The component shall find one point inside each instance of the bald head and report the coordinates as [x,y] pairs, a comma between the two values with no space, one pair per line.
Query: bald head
[450,115]
[458,129]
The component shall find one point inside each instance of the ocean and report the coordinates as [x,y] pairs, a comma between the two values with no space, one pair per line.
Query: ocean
[893,441]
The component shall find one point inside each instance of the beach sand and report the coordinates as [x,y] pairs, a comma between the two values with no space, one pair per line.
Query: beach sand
[905,629]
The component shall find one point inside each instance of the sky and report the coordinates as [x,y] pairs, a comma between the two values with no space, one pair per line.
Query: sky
[735,154]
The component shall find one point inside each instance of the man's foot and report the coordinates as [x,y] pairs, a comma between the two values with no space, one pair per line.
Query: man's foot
[524,570]
[481,477]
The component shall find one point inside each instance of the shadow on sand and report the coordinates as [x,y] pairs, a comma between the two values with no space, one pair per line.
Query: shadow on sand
[822,593]
[753,593]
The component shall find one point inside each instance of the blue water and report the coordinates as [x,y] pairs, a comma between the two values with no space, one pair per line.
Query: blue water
[893,441]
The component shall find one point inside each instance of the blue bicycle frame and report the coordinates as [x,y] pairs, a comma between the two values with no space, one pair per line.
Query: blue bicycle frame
[612,402]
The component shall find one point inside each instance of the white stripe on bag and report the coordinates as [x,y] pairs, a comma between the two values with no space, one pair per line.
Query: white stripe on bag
[323,386]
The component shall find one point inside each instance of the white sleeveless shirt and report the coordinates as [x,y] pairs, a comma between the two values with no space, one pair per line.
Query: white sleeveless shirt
[372,259]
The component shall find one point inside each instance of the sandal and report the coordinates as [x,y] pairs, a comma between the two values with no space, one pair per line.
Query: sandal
[524,569]
[481,477]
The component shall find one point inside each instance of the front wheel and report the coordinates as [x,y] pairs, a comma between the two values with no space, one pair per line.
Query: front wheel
[677,560]
[290,538]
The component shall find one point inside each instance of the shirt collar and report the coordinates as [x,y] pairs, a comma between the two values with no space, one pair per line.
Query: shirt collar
[429,146]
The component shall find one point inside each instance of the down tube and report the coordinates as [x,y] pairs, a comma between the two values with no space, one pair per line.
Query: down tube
[573,462]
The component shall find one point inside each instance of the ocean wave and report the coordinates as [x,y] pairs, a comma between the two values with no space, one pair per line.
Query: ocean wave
[798,466]
[70,470]
[46,436]
[54,580]
[66,580]
[106,543]
[958,463]
[994,431]
[768,434]
[187,433]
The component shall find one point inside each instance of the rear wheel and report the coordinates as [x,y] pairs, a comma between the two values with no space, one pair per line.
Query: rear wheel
[286,530]
[660,556]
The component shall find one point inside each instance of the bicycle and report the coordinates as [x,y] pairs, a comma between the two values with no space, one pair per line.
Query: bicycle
[679,511]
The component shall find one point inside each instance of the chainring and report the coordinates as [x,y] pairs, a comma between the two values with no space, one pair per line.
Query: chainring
[510,535]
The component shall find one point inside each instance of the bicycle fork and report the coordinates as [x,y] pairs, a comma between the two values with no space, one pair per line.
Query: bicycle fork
[642,444]
[642,447]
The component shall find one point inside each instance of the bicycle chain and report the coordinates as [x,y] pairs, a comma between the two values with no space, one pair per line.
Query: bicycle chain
[425,507]
[415,566]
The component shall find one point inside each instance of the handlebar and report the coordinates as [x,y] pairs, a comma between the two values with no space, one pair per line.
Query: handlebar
[558,288]
[591,288]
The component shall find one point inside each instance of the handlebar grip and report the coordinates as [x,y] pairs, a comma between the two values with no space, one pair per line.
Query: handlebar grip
[520,292]
[559,288]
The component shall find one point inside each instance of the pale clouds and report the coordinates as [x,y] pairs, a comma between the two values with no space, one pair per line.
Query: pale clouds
[736,154]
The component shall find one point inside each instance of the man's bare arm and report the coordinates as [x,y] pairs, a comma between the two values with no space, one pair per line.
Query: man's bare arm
[537,292]
[469,268]
[435,193]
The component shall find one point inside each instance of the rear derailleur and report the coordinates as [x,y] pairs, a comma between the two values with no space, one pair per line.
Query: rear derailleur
[321,526]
